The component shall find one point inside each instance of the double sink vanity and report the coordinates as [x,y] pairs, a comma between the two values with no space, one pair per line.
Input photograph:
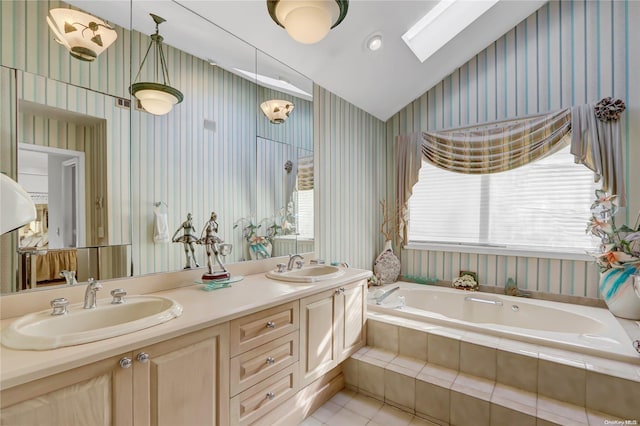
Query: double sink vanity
[265,349]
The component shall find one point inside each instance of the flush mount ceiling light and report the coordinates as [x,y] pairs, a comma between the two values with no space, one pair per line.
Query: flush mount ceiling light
[83,35]
[445,21]
[156,98]
[276,110]
[307,21]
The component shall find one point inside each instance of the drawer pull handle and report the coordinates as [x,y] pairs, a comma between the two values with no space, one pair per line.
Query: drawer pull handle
[270,395]
[271,324]
[125,362]
[271,360]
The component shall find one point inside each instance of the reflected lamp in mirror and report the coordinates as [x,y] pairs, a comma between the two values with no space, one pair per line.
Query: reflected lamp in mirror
[83,35]
[16,207]
[156,98]
[307,21]
[276,110]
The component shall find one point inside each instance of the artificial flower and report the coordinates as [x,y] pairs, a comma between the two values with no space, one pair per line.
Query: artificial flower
[619,246]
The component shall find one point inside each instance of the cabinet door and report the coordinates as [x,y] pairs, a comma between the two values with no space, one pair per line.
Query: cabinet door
[317,350]
[351,312]
[95,394]
[184,381]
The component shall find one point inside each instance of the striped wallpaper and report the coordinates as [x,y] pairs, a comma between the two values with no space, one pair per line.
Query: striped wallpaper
[567,53]
[350,170]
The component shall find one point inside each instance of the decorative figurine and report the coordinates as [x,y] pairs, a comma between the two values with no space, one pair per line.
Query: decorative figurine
[188,238]
[212,243]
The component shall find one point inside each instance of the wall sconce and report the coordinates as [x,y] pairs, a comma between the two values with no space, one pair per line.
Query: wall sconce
[156,98]
[277,111]
[83,35]
[16,207]
[307,21]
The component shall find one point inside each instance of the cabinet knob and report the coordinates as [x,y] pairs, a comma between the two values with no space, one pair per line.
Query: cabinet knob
[337,291]
[271,324]
[271,360]
[270,395]
[341,290]
[143,357]
[126,362]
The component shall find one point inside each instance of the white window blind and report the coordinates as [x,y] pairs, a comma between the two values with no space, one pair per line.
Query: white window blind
[543,205]
[305,213]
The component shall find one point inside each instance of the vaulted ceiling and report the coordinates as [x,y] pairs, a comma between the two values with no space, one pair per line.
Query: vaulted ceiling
[380,82]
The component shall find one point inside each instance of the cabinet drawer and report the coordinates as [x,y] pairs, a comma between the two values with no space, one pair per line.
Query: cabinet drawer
[257,329]
[253,403]
[257,364]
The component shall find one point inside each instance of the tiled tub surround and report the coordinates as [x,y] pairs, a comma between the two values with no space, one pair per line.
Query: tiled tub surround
[452,376]
[566,326]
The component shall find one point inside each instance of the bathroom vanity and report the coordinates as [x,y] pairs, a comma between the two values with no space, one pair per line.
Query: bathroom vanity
[259,352]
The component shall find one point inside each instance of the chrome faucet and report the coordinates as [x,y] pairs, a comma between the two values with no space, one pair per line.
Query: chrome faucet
[292,258]
[90,294]
[386,294]
[69,277]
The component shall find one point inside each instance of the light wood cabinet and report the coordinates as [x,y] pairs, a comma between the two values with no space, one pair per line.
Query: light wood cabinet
[331,328]
[94,394]
[179,381]
[185,380]
[234,373]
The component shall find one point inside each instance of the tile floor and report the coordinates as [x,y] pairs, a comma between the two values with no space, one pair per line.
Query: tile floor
[348,408]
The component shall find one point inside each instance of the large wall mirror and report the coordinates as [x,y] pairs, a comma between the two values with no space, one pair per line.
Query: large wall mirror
[209,154]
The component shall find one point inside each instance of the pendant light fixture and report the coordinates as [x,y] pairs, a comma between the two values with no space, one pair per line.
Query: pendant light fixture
[83,35]
[156,98]
[276,110]
[307,21]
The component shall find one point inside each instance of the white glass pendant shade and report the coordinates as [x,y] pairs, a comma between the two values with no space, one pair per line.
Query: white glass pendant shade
[16,207]
[156,99]
[307,21]
[83,35]
[276,110]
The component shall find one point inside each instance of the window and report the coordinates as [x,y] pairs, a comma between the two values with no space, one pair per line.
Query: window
[305,213]
[543,206]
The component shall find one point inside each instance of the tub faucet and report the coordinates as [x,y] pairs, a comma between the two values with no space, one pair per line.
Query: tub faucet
[384,295]
[292,258]
[511,289]
[90,294]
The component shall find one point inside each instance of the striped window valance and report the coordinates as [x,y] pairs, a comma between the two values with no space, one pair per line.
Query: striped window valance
[305,173]
[497,147]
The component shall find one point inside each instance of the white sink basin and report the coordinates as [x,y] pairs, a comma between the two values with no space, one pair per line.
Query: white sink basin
[307,274]
[41,330]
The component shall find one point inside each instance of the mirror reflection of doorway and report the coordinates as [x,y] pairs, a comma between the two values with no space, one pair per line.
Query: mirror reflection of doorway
[55,179]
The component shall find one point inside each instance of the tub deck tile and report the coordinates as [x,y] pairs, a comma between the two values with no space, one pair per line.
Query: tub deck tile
[559,412]
[476,387]
[515,399]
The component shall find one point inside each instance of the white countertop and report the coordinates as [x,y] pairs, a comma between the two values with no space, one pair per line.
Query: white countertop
[202,309]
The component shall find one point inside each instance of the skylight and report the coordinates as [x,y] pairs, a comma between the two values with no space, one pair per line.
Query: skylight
[442,23]
[274,82]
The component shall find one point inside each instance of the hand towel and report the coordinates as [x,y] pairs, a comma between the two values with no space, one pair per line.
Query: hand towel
[161,228]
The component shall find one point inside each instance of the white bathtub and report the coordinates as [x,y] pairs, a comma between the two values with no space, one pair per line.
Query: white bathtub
[573,327]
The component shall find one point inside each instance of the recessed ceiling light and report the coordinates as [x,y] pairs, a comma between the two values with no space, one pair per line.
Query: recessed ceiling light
[442,23]
[374,42]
